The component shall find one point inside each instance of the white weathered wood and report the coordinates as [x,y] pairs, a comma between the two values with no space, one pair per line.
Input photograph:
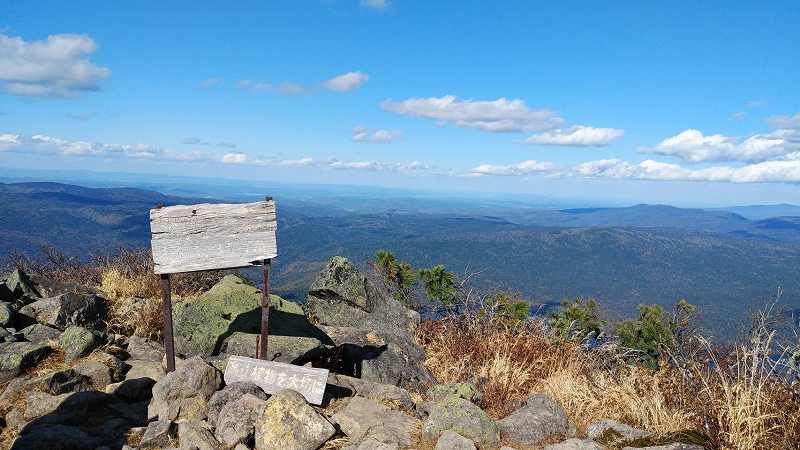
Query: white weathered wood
[189,238]
[274,376]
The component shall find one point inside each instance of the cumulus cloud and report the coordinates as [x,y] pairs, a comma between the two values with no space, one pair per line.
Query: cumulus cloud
[362,134]
[692,146]
[791,122]
[577,136]
[785,171]
[523,168]
[375,4]
[346,82]
[501,115]
[56,67]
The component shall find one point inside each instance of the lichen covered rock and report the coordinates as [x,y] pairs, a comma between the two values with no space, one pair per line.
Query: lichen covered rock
[463,417]
[289,423]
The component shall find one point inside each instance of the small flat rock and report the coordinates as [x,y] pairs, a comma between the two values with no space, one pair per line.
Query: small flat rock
[99,374]
[289,423]
[13,388]
[230,393]
[144,369]
[383,393]
[370,443]
[626,432]
[60,382]
[236,420]
[195,434]
[575,444]
[76,342]
[362,416]
[450,440]
[540,418]
[144,349]
[18,356]
[40,403]
[40,333]
[158,434]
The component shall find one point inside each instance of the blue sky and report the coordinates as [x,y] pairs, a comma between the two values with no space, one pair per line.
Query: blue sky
[682,103]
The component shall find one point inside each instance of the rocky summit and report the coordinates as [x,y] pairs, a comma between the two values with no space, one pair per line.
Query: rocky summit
[70,384]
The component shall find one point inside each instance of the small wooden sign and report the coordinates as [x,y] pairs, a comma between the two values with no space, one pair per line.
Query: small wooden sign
[189,238]
[274,376]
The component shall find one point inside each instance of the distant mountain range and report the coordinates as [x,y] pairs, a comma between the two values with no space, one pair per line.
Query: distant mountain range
[725,261]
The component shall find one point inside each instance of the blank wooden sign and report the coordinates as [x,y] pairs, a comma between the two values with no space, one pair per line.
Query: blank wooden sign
[212,236]
[274,376]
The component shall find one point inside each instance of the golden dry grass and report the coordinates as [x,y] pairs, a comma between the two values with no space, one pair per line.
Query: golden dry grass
[729,406]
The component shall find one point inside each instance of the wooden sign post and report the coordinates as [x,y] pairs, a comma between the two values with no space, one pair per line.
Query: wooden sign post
[191,238]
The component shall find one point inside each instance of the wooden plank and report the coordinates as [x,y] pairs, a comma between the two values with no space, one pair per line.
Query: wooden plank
[274,376]
[189,238]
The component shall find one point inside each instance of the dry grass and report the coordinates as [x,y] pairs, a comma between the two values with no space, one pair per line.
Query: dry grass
[735,402]
[124,275]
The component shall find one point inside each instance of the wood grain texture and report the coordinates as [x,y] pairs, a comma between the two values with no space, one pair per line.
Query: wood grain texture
[188,238]
[274,376]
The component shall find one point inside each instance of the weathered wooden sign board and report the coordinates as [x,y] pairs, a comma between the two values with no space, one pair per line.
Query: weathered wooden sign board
[274,376]
[189,238]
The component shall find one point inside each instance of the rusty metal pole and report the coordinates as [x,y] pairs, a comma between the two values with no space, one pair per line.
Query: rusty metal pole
[169,342]
[265,304]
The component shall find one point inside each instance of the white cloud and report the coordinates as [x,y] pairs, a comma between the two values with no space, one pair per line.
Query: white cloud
[692,146]
[375,4]
[787,171]
[785,121]
[523,168]
[211,82]
[501,115]
[234,158]
[361,134]
[577,136]
[56,67]
[9,141]
[346,82]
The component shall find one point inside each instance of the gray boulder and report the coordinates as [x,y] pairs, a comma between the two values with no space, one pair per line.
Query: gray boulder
[540,418]
[76,342]
[62,311]
[231,393]
[159,433]
[39,403]
[40,333]
[288,410]
[184,393]
[463,417]
[18,356]
[99,374]
[575,444]
[236,421]
[143,349]
[362,417]
[450,440]
[19,284]
[619,431]
[193,434]
[202,325]
[382,393]
[144,369]
[60,382]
